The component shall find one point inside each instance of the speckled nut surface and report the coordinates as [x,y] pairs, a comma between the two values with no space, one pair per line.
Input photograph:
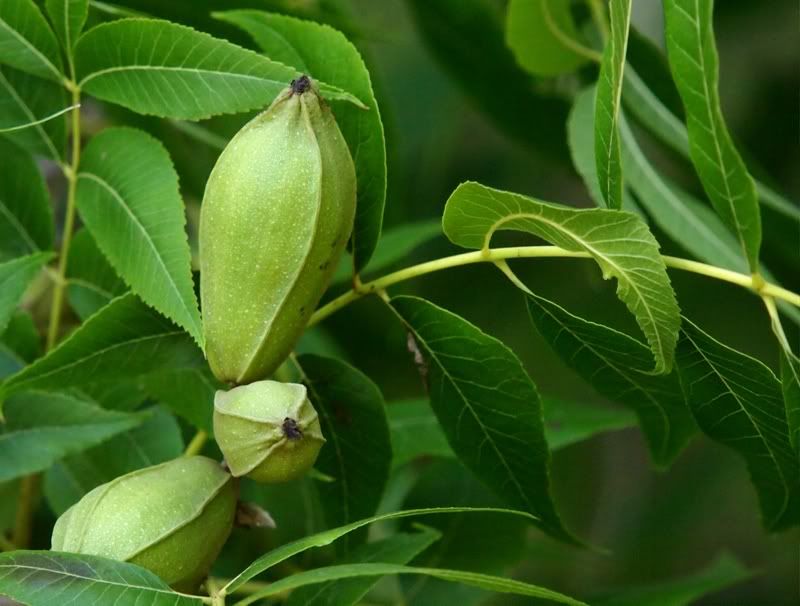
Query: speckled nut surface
[268,431]
[172,518]
[277,212]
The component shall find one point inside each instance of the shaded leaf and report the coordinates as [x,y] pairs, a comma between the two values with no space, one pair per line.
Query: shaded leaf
[580,134]
[488,408]
[723,572]
[607,102]
[349,571]
[139,224]
[619,241]
[326,537]
[416,431]
[790,384]
[26,219]
[122,340]
[26,99]
[661,121]
[188,392]
[68,17]
[694,62]
[685,219]
[42,428]
[91,281]
[467,38]
[395,245]
[26,40]
[327,55]
[542,34]
[44,578]
[737,401]
[172,71]
[357,453]
[15,277]
[155,441]
[399,548]
[480,542]
[616,366]
[22,337]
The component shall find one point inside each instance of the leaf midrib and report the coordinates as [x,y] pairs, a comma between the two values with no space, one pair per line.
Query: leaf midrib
[25,42]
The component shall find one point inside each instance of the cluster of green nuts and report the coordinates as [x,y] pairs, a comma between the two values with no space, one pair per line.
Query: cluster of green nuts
[277,213]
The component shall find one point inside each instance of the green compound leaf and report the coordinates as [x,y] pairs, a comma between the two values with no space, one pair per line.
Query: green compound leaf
[91,281]
[616,366]
[607,102]
[15,277]
[121,341]
[42,428]
[328,56]
[349,571]
[695,67]
[26,218]
[27,42]
[399,548]
[68,17]
[139,224]
[487,406]
[358,453]
[26,99]
[542,35]
[164,69]
[618,241]
[737,401]
[44,578]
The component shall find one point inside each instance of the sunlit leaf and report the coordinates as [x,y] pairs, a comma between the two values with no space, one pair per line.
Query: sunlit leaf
[172,71]
[122,340]
[695,67]
[139,224]
[618,241]
[542,35]
[737,401]
[42,428]
[26,40]
[44,578]
[328,56]
[607,102]
[68,17]
[487,406]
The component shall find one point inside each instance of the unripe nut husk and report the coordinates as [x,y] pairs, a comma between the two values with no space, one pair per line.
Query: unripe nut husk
[268,431]
[171,518]
[277,213]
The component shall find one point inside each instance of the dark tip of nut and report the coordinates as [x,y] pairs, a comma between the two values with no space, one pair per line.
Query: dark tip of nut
[300,85]
[291,430]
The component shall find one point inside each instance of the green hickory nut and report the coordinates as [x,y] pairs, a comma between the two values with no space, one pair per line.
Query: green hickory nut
[268,431]
[277,213]
[171,518]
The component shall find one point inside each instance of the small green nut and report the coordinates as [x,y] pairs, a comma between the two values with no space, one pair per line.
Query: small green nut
[171,518]
[277,213]
[268,431]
